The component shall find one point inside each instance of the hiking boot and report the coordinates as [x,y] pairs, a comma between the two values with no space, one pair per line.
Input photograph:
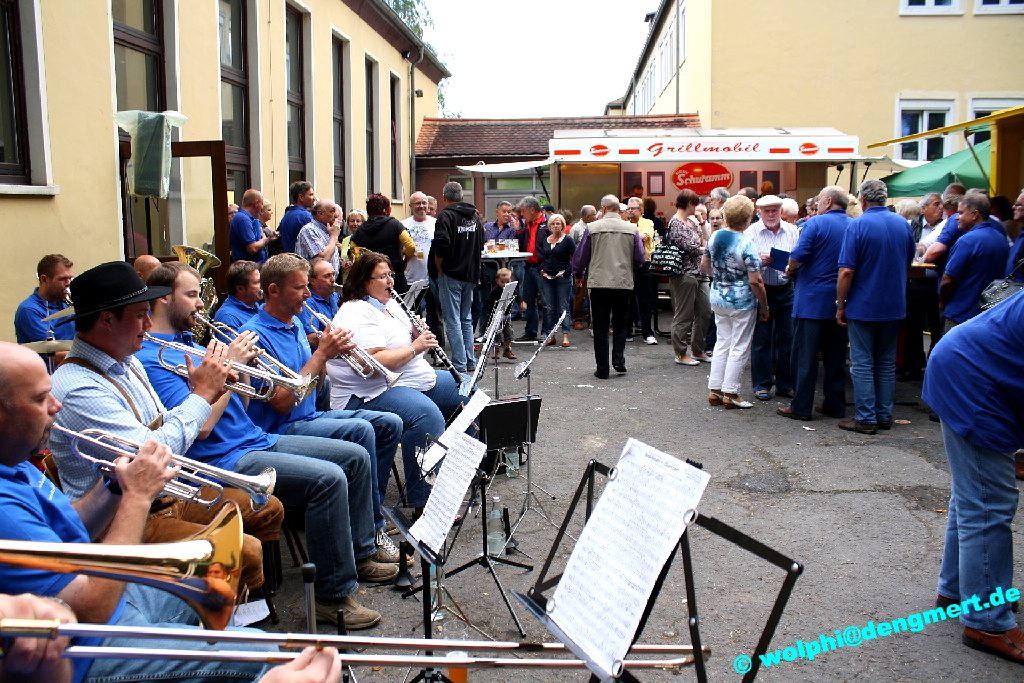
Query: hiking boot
[375,572]
[356,616]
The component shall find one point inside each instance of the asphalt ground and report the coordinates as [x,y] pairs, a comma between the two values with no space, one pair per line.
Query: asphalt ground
[865,515]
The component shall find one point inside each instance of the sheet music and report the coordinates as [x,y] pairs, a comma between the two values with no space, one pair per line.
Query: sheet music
[459,425]
[610,575]
[464,456]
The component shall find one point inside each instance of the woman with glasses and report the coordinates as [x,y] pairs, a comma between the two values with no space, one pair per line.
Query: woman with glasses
[423,397]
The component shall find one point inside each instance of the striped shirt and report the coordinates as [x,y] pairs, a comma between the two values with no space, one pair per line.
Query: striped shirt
[784,239]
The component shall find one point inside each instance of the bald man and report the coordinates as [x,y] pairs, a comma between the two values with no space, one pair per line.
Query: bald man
[145,264]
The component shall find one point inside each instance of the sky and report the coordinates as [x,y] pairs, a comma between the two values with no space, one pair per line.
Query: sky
[533,58]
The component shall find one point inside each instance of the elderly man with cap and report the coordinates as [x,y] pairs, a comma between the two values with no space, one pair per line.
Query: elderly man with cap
[773,338]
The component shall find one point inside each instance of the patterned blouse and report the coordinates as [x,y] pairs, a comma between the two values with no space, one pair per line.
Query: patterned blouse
[689,239]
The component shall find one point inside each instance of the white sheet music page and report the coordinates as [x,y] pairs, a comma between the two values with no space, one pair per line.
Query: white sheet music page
[609,577]
[464,456]
[459,425]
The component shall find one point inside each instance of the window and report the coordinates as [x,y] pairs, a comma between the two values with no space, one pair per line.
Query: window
[667,57]
[371,126]
[985,106]
[14,160]
[234,94]
[339,120]
[140,84]
[396,126]
[917,117]
[682,33]
[295,73]
[930,7]
[999,6]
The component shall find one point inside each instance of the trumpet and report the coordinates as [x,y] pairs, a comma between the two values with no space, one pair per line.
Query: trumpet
[420,327]
[259,488]
[180,568]
[264,361]
[358,358]
[299,385]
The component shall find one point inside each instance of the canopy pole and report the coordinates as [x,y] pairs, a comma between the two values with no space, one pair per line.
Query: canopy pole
[988,183]
[540,177]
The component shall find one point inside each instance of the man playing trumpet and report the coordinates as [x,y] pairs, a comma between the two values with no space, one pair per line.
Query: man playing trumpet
[330,477]
[34,510]
[102,386]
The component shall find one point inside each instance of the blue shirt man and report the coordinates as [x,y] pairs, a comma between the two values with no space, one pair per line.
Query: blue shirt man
[977,258]
[51,296]
[296,214]
[814,267]
[871,299]
[234,312]
[245,232]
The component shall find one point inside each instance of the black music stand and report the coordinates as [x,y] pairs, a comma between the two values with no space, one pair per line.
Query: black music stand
[536,602]
[494,325]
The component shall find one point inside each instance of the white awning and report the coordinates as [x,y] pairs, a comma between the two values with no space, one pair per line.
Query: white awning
[511,167]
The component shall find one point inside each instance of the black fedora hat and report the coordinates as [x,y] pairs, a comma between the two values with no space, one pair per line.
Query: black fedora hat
[107,286]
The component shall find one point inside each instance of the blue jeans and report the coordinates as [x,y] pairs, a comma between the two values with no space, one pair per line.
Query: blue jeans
[773,343]
[332,479]
[811,337]
[530,289]
[422,413]
[380,441]
[457,309]
[978,555]
[873,368]
[557,297]
[151,607]
[517,268]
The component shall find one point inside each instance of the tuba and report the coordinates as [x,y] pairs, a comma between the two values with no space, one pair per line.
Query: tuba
[202,261]
[203,570]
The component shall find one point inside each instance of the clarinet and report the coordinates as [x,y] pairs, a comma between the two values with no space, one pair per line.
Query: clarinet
[421,327]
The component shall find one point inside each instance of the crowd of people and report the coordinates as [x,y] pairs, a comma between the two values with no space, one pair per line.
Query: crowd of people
[848,281]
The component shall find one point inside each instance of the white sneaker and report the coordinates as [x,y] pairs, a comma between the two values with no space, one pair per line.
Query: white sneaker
[387,551]
[650,340]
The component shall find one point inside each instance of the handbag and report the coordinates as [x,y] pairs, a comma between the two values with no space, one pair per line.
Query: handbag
[667,259]
[1000,290]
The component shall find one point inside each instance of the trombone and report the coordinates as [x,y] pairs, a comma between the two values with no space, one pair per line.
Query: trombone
[259,488]
[299,385]
[358,358]
[185,568]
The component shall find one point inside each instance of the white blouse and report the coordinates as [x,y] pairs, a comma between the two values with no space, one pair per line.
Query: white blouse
[372,329]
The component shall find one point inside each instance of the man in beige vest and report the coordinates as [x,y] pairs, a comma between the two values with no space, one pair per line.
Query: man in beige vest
[607,255]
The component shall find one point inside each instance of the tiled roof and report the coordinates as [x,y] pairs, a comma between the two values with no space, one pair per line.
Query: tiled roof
[523,137]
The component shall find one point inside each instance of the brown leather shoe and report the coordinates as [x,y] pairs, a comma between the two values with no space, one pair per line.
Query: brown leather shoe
[1009,645]
[852,425]
[578,325]
[786,411]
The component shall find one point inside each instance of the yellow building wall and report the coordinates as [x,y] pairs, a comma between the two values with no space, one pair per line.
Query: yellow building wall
[83,221]
[845,67]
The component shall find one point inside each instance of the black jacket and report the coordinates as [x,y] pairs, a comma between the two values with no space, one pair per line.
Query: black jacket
[380,234]
[458,242]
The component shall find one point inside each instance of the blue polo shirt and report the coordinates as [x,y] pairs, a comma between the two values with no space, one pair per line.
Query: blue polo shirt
[232,436]
[328,307]
[817,252]
[975,377]
[977,258]
[28,320]
[34,510]
[243,231]
[234,313]
[294,219]
[1016,254]
[879,247]
[288,344]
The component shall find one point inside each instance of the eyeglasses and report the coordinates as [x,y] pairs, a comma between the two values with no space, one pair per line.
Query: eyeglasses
[385,276]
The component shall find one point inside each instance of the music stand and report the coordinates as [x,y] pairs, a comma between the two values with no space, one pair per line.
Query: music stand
[494,326]
[536,602]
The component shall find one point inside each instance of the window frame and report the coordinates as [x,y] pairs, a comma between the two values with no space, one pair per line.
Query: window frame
[19,173]
[925,106]
[370,72]
[395,112]
[1004,7]
[339,120]
[297,165]
[238,159]
[931,9]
